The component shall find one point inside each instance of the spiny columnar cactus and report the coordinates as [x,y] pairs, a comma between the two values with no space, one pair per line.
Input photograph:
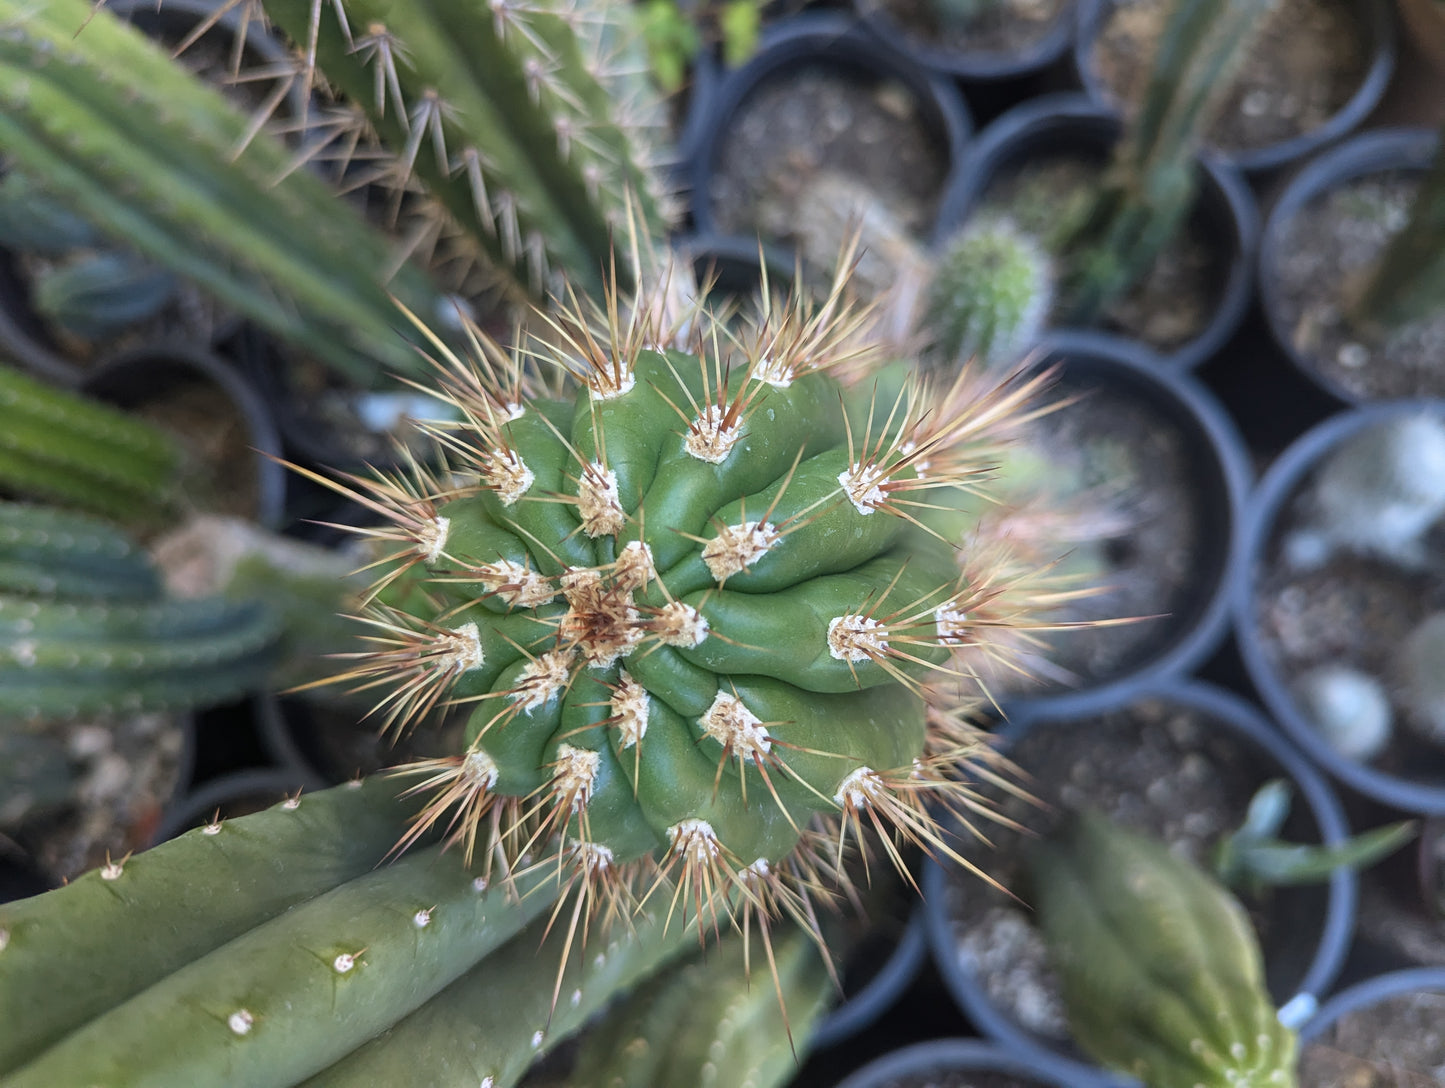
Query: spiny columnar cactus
[701,604]
[528,124]
[1161,971]
[991,293]
[1151,182]
[84,628]
[58,446]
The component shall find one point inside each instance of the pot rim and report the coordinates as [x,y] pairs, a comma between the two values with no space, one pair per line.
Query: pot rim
[1074,111]
[975,1055]
[981,65]
[1261,516]
[1223,448]
[831,37]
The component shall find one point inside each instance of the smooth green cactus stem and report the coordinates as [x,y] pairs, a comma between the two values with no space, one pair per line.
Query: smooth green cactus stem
[298,992]
[1152,180]
[124,927]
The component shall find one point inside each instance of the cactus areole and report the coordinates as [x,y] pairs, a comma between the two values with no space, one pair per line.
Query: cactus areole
[701,593]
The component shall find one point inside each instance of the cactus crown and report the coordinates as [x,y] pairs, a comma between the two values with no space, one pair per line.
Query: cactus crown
[702,597]
[991,293]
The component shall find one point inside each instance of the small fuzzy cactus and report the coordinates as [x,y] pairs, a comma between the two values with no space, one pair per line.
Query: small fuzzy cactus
[1377,494]
[990,295]
[1408,280]
[1162,973]
[1350,708]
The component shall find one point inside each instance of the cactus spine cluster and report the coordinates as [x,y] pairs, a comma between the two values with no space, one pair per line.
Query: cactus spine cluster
[1151,182]
[526,123]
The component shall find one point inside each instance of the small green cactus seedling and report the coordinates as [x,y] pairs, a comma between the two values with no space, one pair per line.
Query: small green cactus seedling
[98,295]
[1377,494]
[1252,858]
[991,293]
[1162,973]
[1152,179]
[1408,281]
[1350,708]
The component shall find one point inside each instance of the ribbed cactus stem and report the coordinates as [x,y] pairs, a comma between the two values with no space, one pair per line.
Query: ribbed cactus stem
[1152,179]
[504,112]
[119,929]
[61,446]
[715,1020]
[990,295]
[55,553]
[62,659]
[1408,281]
[296,993]
[467,1036]
[1162,973]
[139,146]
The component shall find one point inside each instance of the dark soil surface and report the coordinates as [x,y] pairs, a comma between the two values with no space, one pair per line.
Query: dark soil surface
[1162,769]
[217,441]
[1307,61]
[1399,1043]
[999,27]
[825,118]
[1170,305]
[1326,251]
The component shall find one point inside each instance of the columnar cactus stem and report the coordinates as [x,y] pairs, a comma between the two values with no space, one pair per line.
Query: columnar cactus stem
[701,605]
[59,446]
[1152,180]
[129,139]
[120,929]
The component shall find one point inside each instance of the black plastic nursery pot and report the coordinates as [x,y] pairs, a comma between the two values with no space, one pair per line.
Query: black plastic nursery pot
[1381,153]
[1377,32]
[1195,467]
[1058,127]
[941,1061]
[190,391]
[1390,1027]
[885,972]
[830,44]
[1407,776]
[967,54]
[1220,740]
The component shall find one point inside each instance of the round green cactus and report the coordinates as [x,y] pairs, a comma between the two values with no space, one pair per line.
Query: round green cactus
[990,294]
[704,604]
